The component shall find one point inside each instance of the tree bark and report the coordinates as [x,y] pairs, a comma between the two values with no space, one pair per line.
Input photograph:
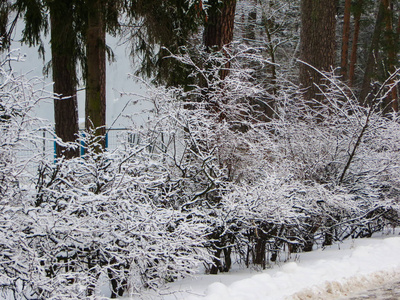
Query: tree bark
[345,40]
[64,76]
[391,49]
[219,26]
[317,46]
[260,249]
[95,109]
[354,47]
[4,13]
[370,66]
[268,25]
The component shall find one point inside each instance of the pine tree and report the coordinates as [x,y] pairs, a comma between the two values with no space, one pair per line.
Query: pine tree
[170,24]
[95,107]
[357,8]
[317,48]
[64,50]
[218,29]
[345,40]
[5,10]
[391,51]
[371,56]
[64,59]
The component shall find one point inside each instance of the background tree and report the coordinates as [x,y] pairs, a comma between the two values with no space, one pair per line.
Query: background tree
[99,17]
[95,105]
[345,40]
[175,25]
[357,11]
[64,52]
[391,49]
[157,29]
[371,54]
[5,10]
[318,24]
[218,28]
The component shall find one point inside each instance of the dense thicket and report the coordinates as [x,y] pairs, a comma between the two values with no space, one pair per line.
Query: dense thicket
[236,162]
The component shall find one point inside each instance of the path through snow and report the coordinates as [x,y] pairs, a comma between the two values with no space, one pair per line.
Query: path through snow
[389,291]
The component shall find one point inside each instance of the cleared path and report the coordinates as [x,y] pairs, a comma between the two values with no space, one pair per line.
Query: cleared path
[389,291]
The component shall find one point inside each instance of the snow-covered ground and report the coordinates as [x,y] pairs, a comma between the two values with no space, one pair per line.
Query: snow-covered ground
[329,273]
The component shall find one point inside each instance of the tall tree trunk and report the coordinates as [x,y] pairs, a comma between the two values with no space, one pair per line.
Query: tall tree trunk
[4,14]
[219,26]
[397,43]
[268,25]
[354,46]
[345,40]
[317,48]
[95,109]
[250,27]
[370,66]
[391,49]
[64,75]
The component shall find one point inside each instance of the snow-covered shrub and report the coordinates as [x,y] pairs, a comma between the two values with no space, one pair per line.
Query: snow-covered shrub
[18,96]
[310,175]
[18,135]
[336,143]
[106,218]
[216,136]
[108,215]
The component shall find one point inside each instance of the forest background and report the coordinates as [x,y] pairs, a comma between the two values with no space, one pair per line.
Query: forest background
[273,127]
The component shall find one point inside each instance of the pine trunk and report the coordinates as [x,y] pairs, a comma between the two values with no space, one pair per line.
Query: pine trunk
[95,109]
[354,47]
[219,26]
[269,109]
[370,66]
[392,98]
[317,43]
[4,14]
[64,76]
[345,40]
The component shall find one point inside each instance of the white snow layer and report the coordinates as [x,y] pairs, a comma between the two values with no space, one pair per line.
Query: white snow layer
[328,273]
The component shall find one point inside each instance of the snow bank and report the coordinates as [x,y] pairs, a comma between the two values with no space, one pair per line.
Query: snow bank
[321,274]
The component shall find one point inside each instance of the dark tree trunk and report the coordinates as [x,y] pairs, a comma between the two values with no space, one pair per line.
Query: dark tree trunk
[227,259]
[391,53]
[329,233]
[118,284]
[217,265]
[370,66]
[354,47]
[345,40]
[63,43]
[268,25]
[219,26]
[309,236]
[4,13]
[95,109]
[317,46]
[260,249]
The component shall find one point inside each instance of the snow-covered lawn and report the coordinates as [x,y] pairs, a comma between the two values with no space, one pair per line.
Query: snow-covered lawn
[322,274]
